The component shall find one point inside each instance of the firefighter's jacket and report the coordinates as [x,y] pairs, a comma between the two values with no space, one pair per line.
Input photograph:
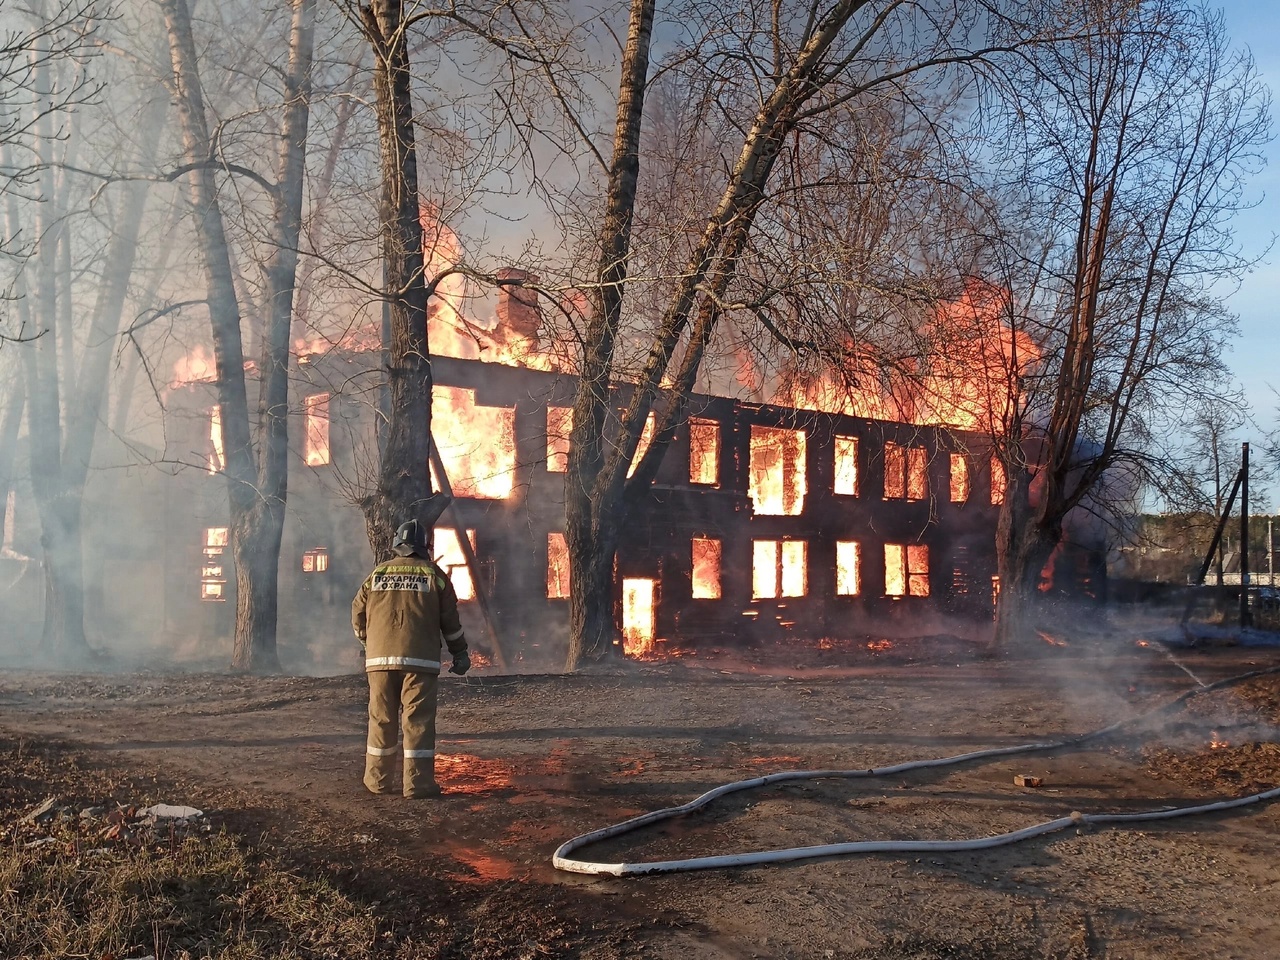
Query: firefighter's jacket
[402,612]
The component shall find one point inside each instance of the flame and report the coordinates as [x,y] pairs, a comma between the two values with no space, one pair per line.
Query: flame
[557,567]
[364,338]
[777,483]
[1216,742]
[848,568]
[1051,640]
[706,569]
[454,562]
[879,646]
[316,438]
[1143,643]
[638,622]
[704,452]
[968,378]
[476,443]
[197,366]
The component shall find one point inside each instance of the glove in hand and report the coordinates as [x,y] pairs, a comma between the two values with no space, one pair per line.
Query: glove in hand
[461,663]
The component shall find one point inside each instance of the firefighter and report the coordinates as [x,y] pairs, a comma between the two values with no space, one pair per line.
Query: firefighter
[401,615]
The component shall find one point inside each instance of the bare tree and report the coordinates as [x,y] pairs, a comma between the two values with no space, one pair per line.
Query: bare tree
[404,486]
[1134,144]
[64,386]
[799,63]
[255,460]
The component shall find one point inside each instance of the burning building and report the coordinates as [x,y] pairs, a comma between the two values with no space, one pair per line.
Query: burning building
[765,521]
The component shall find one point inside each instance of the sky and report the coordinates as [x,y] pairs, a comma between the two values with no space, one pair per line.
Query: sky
[1256,357]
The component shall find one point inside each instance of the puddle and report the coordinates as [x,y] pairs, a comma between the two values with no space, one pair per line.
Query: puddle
[481,865]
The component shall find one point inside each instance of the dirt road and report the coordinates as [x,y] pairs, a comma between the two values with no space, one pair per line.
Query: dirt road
[528,761]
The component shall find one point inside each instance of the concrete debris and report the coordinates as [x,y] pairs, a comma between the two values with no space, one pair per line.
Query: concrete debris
[1027,780]
[165,811]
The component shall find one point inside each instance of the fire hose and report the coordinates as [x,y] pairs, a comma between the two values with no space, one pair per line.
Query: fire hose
[562,860]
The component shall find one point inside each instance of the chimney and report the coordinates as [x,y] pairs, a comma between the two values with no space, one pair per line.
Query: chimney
[518,313]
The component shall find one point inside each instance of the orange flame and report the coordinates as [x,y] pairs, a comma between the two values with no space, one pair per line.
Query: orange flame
[638,621]
[777,483]
[1050,639]
[706,569]
[197,366]
[968,380]
[476,443]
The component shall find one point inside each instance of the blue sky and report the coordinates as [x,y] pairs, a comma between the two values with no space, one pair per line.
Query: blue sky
[1256,357]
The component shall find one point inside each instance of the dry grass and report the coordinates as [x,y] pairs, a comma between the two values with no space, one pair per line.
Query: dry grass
[67,892]
[203,897]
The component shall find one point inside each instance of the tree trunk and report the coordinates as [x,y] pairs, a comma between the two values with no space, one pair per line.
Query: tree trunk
[64,590]
[403,489]
[590,528]
[10,425]
[258,560]
[254,632]
[1023,547]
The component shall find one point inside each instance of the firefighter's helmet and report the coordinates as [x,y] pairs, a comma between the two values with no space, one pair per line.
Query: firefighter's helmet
[410,536]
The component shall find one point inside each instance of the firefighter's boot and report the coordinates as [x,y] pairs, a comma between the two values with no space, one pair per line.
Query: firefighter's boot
[419,722]
[382,750]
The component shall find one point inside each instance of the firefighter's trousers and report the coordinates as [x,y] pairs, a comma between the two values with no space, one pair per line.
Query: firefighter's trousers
[400,699]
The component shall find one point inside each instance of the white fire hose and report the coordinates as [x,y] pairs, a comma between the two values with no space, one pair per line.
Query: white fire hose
[562,861]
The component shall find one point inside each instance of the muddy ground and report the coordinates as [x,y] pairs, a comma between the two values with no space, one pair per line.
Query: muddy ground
[529,761]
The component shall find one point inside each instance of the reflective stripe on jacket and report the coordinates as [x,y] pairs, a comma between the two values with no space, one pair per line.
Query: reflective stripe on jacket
[402,614]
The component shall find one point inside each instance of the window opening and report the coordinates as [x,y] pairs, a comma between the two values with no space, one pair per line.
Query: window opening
[777,483]
[638,616]
[905,472]
[316,560]
[848,568]
[646,438]
[704,452]
[706,569]
[557,567]
[212,582]
[906,570]
[959,478]
[476,443]
[559,426]
[451,559]
[316,440]
[999,481]
[779,568]
[846,466]
[217,456]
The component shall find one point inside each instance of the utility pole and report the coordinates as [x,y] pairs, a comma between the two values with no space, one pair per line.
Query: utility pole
[1246,618]
[1271,551]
